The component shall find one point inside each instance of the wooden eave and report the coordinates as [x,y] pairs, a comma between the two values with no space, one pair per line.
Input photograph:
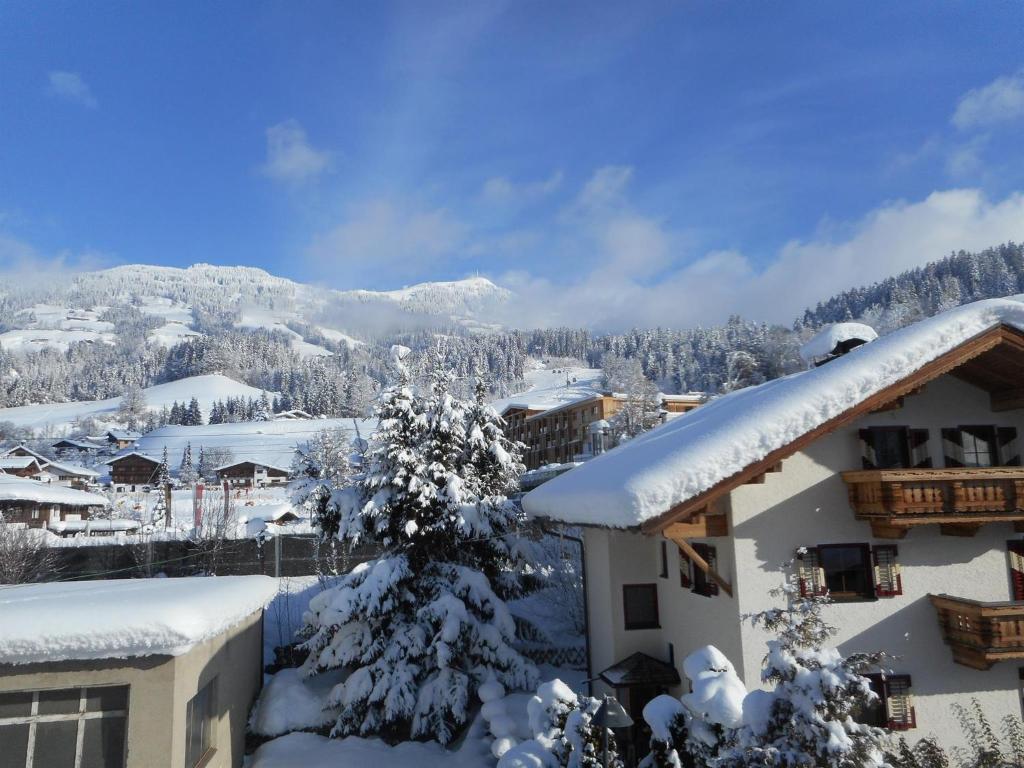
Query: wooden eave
[961,355]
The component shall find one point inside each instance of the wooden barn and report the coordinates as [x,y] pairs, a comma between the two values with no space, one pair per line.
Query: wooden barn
[40,504]
[251,474]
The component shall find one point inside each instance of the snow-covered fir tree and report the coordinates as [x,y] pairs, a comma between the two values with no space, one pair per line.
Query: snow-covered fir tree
[424,624]
[163,474]
[321,467]
[187,473]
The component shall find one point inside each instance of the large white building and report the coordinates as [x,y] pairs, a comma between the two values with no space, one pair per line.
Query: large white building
[890,477]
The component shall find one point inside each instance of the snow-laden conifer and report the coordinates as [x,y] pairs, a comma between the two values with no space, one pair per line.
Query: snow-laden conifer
[423,625]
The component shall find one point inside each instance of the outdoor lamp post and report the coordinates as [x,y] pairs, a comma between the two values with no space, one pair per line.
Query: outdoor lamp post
[610,715]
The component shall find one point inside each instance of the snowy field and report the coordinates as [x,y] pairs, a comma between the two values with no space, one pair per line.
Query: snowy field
[58,418]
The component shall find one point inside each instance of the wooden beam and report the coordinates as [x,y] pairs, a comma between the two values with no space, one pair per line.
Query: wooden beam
[701,563]
[1007,399]
[943,364]
[881,530]
[700,527]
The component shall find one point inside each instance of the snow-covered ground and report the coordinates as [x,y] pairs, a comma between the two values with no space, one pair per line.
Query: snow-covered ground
[287,698]
[58,418]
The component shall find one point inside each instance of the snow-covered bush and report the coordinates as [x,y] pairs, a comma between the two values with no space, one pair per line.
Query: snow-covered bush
[564,735]
[425,624]
[807,716]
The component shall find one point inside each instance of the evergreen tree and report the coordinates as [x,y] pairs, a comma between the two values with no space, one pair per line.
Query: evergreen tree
[263,411]
[195,414]
[321,467]
[423,625]
[187,473]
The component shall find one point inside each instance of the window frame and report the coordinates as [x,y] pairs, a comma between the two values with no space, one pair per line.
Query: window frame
[81,717]
[869,444]
[703,584]
[209,726]
[867,562]
[627,590]
[988,435]
[882,685]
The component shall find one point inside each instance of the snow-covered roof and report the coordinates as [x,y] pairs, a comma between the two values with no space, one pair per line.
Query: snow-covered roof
[824,343]
[681,460]
[77,470]
[256,462]
[123,434]
[22,489]
[156,459]
[75,526]
[17,462]
[116,619]
[270,443]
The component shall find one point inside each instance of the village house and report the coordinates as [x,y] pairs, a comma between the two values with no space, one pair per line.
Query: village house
[132,471]
[21,466]
[122,438]
[138,673]
[39,505]
[889,477]
[51,471]
[251,474]
[577,429]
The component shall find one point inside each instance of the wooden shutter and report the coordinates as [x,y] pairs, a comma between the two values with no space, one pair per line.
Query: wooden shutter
[702,583]
[888,581]
[919,458]
[1016,549]
[952,448]
[899,704]
[685,570]
[867,449]
[810,573]
[1006,438]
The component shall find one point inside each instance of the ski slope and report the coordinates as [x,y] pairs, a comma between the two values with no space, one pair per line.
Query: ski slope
[57,418]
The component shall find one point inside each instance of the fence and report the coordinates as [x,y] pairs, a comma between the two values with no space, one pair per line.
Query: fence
[294,555]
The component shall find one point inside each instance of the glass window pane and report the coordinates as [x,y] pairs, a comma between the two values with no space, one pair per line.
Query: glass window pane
[13,746]
[846,571]
[16,704]
[103,745]
[55,744]
[112,698]
[62,702]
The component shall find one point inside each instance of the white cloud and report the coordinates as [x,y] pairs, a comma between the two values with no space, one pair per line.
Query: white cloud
[894,237]
[24,265]
[501,190]
[381,235]
[1000,101]
[290,156]
[71,87]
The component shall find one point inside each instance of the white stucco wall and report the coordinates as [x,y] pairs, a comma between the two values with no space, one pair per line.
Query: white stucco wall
[806,505]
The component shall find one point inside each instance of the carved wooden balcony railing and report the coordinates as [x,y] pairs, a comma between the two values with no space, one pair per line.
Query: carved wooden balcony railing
[959,500]
[981,634]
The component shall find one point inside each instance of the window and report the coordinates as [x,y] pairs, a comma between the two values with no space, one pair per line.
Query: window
[64,728]
[980,446]
[894,707]
[640,606]
[849,572]
[894,448]
[702,583]
[1016,550]
[200,724]
[664,560]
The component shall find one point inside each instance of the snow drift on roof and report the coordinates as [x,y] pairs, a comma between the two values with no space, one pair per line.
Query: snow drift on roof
[688,456]
[118,619]
[22,489]
[823,343]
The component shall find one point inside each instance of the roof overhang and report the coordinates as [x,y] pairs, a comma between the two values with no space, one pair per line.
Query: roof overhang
[991,360]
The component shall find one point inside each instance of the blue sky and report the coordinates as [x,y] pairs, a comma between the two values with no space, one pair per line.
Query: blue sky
[617,163]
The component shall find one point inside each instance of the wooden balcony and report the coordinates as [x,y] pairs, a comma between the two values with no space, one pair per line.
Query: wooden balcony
[981,634]
[959,500]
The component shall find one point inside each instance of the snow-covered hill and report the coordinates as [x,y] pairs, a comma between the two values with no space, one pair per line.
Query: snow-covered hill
[57,418]
[59,314]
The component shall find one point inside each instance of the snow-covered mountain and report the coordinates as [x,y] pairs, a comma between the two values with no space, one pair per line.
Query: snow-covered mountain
[62,313]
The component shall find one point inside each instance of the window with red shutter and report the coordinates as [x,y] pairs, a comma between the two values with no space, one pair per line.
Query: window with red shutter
[1016,550]
[888,580]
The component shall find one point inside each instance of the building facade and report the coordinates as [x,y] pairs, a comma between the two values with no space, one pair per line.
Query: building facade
[906,510]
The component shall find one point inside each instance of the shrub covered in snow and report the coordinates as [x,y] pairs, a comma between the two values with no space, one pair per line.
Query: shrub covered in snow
[422,626]
[564,735]
[805,719]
